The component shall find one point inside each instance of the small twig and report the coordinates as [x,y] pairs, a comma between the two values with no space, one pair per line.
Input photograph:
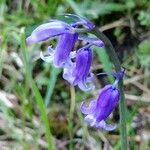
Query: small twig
[132,138]
[135,78]
[114,24]
[142,87]
[137,98]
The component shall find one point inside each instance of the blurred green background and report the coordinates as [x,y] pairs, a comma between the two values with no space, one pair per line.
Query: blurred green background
[38,109]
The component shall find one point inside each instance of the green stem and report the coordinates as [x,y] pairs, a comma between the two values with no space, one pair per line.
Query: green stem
[122,107]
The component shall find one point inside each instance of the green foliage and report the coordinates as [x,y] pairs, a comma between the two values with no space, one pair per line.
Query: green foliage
[104,59]
[94,9]
[144,18]
[144,47]
[144,53]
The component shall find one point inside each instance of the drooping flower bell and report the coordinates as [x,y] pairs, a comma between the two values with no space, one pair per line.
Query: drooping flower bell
[60,54]
[78,72]
[98,110]
[48,30]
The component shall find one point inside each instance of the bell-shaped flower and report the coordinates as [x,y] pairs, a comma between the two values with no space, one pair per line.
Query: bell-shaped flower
[98,110]
[48,30]
[58,27]
[78,72]
[61,53]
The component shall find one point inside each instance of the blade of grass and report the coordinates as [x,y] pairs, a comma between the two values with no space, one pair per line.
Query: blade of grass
[3,47]
[44,117]
[52,81]
[104,59]
[35,91]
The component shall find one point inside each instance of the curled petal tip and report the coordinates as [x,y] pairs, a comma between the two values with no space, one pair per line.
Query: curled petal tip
[92,41]
[30,40]
[48,30]
[88,109]
[101,108]
[84,87]
[105,126]
[99,43]
[48,59]
[89,119]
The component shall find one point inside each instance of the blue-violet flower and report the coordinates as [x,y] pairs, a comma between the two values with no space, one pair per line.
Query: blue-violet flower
[78,72]
[99,109]
[76,64]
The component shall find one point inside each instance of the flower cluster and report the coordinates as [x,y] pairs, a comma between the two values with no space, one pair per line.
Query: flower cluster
[76,64]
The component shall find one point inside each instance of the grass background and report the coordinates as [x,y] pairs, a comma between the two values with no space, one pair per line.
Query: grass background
[38,109]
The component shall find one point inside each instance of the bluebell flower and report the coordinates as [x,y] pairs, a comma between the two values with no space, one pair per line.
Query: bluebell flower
[76,64]
[60,54]
[78,72]
[48,30]
[98,110]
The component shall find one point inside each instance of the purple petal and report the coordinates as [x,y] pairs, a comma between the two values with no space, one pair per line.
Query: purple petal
[103,110]
[67,72]
[50,50]
[115,98]
[89,119]
[48,59]
[92,41]
[84,87]
[104,96]
[119,75]
[102,124]
[90,78]
[79,20]
[83,64]
[78,73]
[64,47]
[108,96]
[88,109]
[48,30]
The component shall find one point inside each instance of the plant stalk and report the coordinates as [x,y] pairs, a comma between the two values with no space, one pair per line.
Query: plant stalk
[122,107]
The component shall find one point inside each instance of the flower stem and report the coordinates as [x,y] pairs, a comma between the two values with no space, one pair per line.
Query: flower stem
[122,107]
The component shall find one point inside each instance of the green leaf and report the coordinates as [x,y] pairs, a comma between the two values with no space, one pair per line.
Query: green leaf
[104,59]
[52,81]
[96,9]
